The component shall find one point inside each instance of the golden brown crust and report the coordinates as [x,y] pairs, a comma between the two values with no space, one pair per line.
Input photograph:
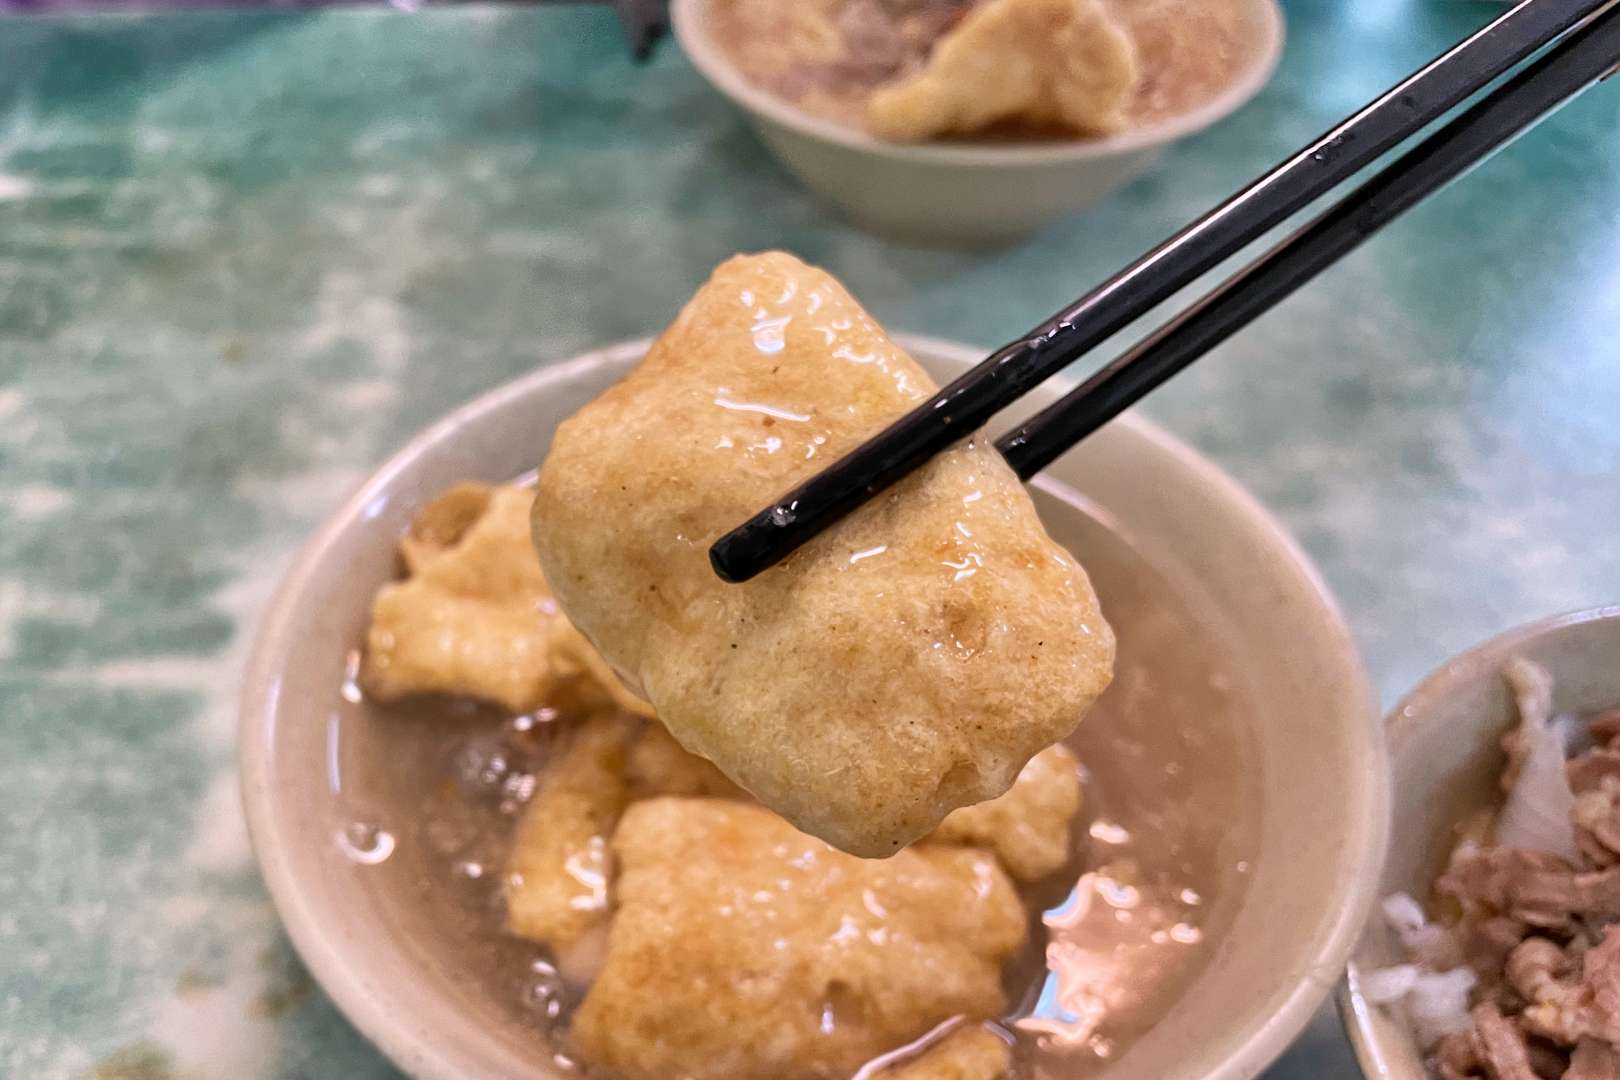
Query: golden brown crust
[559,872]
[907,662]
[1028,827]
[744,950]
[443,523]
[658,766]
[1063,64]
[475,616]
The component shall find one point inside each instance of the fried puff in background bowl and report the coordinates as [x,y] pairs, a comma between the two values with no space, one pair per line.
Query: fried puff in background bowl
[1233,668]
[954,189]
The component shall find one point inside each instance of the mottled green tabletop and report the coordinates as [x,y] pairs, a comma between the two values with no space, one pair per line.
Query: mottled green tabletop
[243,256]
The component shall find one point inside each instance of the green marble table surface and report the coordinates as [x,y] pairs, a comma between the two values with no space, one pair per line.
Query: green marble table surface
[243,256]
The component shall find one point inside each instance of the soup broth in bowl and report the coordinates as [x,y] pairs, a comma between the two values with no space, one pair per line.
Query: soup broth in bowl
[384,829]
[1157,864]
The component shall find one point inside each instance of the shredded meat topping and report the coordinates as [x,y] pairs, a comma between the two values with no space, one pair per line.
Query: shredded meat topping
[1539,930]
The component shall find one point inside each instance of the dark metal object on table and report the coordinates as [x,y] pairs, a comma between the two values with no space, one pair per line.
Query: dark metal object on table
[644,21]
[967,403]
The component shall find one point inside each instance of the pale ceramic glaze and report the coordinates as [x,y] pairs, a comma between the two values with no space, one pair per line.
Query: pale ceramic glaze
[960,193]
[1446,758]
[1316,739]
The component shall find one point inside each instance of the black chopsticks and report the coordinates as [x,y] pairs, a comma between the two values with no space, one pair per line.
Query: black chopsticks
[1587,56]
[968,402]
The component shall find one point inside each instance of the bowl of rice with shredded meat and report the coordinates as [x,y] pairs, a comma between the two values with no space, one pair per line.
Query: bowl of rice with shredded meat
[1496,952]
[977,121]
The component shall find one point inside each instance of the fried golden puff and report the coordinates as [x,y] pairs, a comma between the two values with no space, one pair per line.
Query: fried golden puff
[1044,63]
[475,616]
[559,883]
[658,766]
[742,949]
[908,661]
[969,1052]
[559,871]
[1028,827]
[575,658]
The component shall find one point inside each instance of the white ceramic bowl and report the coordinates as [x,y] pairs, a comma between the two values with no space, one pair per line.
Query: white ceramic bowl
[960,193]
[1446,757]
[382,938]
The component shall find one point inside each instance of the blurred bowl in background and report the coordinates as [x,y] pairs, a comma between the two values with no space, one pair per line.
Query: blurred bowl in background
[958,192]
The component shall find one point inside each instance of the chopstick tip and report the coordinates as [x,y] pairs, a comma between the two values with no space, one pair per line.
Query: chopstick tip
[722,557]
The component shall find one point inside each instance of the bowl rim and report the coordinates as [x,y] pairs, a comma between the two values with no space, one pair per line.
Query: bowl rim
[321,946]
[1441,682]
[687,18]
